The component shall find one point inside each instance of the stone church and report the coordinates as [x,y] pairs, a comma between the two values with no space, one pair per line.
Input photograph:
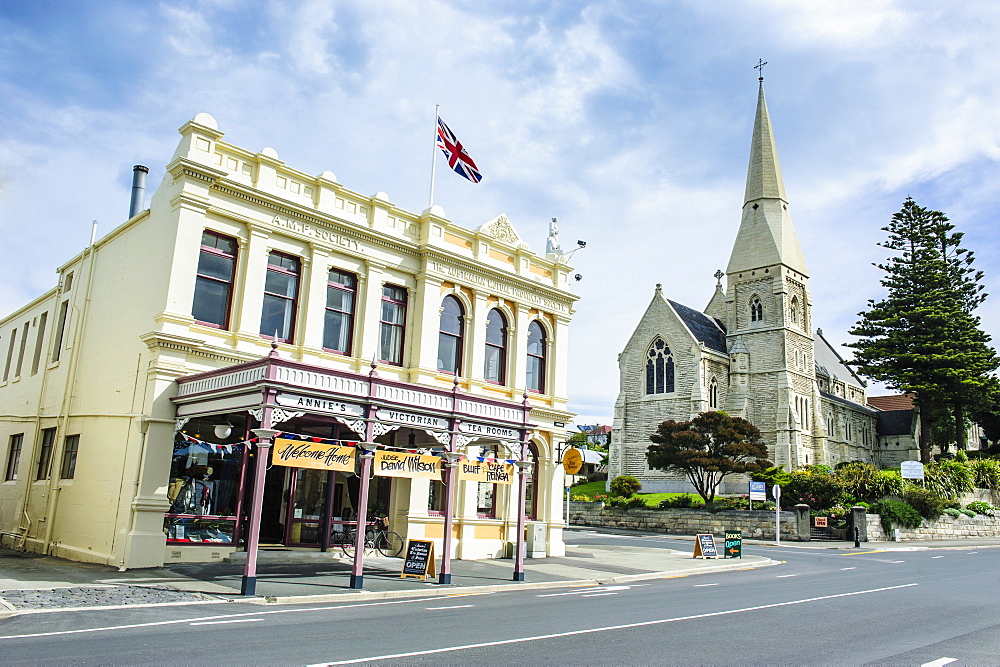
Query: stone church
[751,353]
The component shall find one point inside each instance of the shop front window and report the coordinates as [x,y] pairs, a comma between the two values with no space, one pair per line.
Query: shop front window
[435,498]
[204,486]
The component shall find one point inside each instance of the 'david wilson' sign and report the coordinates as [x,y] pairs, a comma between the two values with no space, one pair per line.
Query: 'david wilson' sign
[404,464]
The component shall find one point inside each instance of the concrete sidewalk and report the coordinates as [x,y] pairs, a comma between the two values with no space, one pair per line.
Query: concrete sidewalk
[30,583]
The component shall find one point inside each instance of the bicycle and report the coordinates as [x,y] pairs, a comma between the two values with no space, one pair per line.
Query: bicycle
[378,538]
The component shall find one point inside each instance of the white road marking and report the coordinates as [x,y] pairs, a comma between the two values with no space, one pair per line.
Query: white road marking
[235,620]
[573,633]
[179,621]
[598,595]
[939,662]
[454,606]
[784,576]
[971,552]
[599,589]
[895,561]
[703,585]
[848,568]
[937,556]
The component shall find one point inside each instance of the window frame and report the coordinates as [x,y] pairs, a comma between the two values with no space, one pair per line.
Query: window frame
[347,315]
[36,358]
[501,348]
[14,448]
[539,359]
[45,450]
[451,340]
[201,279]
[68,468]
[57,340]
[401,305]
[756,309]
[659,368]
[713,393]
[291,302]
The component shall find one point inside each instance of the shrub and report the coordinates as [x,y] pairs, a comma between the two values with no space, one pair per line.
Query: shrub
[948,478]
[625,486]
[979,507]
[896,511]
[814,486]
[627,503]
[581,497]
[951,511]
[772,476]
[678,502]
[726,504]
[927,503]
[866,482]
[968,513]
[986,473]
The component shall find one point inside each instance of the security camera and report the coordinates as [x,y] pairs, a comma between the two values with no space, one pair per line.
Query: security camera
[582,244]
[578,277]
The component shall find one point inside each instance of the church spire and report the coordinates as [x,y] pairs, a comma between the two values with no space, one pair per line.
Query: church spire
[766,235]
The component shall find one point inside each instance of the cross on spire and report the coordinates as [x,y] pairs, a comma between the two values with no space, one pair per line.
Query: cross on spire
[760,69]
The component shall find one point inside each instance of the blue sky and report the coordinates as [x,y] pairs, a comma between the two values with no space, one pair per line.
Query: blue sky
[630,121]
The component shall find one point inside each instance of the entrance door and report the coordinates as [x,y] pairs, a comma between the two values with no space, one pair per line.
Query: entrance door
[307,509]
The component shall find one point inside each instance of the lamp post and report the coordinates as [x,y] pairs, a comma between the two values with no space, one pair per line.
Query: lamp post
[522,492]
[264,437]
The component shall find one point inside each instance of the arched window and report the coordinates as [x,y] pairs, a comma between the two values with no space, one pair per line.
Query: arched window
[659,368]
[450,336]
[756,310]
[793,310]
[535,371]
[713,393]
[496,348]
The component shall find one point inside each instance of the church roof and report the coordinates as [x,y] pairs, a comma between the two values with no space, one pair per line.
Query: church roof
[894,422]
[892,402]
[831,364]
[766,236]
[701,326]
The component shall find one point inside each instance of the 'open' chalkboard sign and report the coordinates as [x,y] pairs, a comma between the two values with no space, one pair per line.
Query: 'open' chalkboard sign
[704,546]
[419,560]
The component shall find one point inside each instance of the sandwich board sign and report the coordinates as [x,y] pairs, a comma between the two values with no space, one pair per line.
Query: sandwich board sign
[734,544]
[704,546]
[419,560]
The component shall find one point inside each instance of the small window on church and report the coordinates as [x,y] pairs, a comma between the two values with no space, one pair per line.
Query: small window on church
[713,393]
[793,311]
[659,368]
[756,310]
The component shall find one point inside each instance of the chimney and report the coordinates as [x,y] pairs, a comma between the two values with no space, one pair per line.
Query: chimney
[138,189]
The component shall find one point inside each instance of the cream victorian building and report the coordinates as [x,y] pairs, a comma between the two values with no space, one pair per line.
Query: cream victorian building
[753,352]
[250,295]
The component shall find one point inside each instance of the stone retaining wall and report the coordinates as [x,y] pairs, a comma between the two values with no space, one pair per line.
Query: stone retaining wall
[945,528]
[685,522]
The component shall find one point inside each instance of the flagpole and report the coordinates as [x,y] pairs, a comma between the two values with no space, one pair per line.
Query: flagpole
[437,108]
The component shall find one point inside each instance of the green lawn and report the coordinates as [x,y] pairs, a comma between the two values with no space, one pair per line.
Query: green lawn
[652,499]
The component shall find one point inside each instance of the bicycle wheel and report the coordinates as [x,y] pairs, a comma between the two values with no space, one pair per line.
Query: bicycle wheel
[347,542]
[389,544]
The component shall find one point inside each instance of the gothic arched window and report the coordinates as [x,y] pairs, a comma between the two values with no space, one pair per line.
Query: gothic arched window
[659,368]
[756,310]
[713,393]
[793,311]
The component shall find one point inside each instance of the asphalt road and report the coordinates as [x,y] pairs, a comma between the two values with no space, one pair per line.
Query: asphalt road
[819,607]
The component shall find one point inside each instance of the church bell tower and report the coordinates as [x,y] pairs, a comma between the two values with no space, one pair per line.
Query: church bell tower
[768,312]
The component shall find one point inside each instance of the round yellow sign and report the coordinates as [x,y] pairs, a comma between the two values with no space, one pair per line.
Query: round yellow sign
[572,461]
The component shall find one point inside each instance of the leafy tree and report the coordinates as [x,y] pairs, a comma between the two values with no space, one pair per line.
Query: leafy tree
[707,449]
[924,337]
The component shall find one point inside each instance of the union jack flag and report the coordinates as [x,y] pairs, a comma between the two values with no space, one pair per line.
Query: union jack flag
[458,159]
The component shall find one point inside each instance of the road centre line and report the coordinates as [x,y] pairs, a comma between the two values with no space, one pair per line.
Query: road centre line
[848,568]
[597,595]
[937,556]
[704,585]
[235,620]
[784,576]
[180,621]
[573,633]
[454,606]
[940,662]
